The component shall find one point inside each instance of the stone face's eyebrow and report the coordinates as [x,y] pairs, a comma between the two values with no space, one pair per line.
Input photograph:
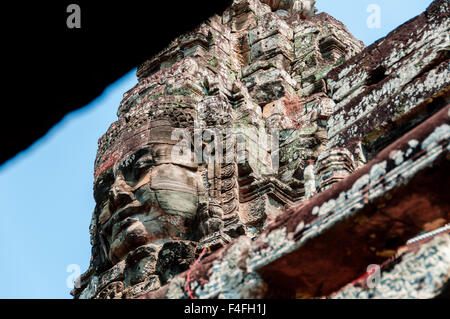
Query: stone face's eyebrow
[144,158]
[134,158]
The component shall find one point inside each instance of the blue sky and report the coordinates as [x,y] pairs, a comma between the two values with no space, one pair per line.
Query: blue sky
[46,191]
[353,13]
[47,201]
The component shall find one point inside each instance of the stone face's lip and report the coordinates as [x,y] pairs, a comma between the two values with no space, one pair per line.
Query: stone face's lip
[122,225]
[121,214]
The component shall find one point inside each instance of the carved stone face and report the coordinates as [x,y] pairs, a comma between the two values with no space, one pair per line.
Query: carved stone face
[149,198]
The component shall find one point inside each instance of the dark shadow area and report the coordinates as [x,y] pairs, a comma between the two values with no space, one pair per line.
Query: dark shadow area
[376,76]
[445,293]
[52,70]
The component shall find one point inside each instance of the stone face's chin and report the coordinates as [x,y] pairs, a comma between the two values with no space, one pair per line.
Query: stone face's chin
[142,229]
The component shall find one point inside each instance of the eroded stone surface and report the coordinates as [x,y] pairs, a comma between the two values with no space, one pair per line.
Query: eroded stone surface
[420,273]
[313,250]
[265,107]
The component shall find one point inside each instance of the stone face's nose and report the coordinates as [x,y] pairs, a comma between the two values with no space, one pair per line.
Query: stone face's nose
[120,194]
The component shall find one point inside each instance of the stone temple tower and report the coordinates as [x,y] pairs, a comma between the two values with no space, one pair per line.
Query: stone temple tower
[260,116]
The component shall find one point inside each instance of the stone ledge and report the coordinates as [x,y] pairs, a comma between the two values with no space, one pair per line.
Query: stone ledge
[315,249]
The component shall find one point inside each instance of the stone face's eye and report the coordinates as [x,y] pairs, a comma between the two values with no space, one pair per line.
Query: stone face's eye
[102,187]
[141,167]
